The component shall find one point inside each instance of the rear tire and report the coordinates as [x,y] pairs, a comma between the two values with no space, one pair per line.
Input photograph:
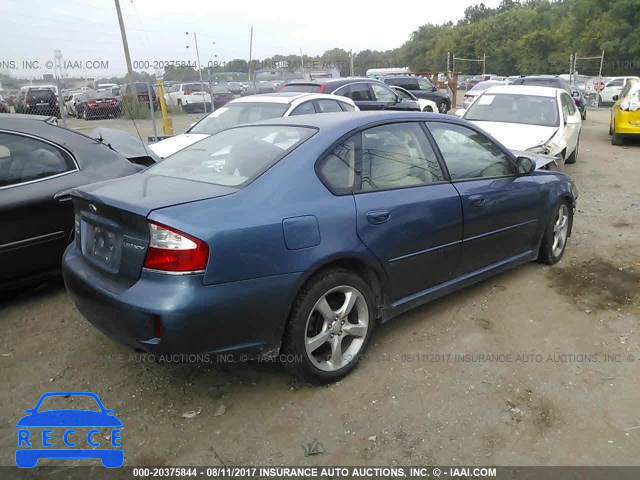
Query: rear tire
[617,139]
[333,308]
[556,234]
[584,114]
[85,115]
[442,107]
[610,129]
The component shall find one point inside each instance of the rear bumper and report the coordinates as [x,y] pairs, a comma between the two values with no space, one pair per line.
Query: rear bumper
[247,316]
[627,123]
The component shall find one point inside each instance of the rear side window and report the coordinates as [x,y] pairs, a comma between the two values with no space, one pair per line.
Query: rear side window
[233,157]
[305,108]
[24,159]
[337,170]
[326,106]
[347,107]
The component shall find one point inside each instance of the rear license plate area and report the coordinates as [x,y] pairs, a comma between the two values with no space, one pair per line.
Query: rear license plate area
[102,247]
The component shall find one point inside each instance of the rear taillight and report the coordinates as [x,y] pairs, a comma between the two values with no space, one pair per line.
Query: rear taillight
[171,250]
[187,92]
[114,101]
[322,87]
[91,102]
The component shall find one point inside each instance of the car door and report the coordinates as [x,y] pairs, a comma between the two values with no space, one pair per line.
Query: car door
[36,212]
[571,127]
[501,210]
[408,215]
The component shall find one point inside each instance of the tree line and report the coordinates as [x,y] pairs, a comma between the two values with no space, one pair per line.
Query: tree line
[518,37]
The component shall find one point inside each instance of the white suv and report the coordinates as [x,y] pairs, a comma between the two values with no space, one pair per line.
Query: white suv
[189,97]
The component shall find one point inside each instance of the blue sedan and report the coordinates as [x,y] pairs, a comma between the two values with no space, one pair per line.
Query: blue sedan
[294,237]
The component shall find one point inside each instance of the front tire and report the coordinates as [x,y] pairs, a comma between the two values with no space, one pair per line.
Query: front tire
[554,240]
[442,107]
[573,158]
[330,326]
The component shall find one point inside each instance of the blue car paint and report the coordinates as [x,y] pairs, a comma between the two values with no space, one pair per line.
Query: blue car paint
[436,240]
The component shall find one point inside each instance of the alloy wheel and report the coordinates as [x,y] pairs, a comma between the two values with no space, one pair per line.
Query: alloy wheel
[560,230]
[336,328]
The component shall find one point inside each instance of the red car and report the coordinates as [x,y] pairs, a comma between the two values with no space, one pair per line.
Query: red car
[98,104]
[221,95]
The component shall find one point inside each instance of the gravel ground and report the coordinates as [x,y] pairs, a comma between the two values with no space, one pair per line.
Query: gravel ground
[550,375]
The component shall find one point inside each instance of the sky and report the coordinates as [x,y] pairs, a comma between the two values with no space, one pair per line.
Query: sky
[87,32]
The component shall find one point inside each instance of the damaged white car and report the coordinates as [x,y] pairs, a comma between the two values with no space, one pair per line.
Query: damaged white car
[540,120]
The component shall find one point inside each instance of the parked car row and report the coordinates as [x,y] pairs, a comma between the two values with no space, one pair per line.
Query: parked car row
[261,235]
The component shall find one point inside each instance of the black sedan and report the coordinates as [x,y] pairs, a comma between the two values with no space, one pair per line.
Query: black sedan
[40,163]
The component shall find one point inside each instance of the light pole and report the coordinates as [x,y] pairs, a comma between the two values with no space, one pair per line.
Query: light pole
[204,96]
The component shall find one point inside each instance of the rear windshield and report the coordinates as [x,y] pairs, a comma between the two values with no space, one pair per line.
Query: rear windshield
[142,88]
[235,157]
[219,89]
[541,82]
[193,87]
[482,86]
[510,108]
[233,114]
[42,95]
[301,87]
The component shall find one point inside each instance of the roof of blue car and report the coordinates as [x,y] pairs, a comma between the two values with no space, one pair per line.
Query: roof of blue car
[349,120]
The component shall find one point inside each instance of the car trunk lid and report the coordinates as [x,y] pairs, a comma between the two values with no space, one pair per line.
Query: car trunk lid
[112,230]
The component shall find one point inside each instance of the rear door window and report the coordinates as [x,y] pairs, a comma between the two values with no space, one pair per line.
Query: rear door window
[24,159]
[358,92]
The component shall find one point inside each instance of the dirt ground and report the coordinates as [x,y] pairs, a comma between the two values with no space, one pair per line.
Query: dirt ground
[538,366]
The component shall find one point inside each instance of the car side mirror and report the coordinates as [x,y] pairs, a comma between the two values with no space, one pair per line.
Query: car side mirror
[615,98]
[460,112]
[525,165]
[398,98]
[434,88]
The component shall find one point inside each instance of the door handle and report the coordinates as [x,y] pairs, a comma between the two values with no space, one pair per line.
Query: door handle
[377,217]
[477,200]
[63,196]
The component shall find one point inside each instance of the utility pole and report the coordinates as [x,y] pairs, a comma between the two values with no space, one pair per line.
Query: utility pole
[124,42]
[351,63]
[204,97]
[249,70]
